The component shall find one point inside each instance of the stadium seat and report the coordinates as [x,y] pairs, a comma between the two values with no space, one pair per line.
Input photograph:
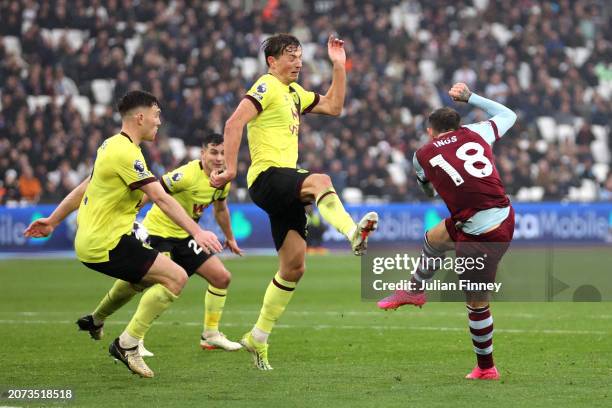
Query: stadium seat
[193,152]
[352,195]
[131,45]
[600,151]
[537,192]
[103,90]
[428,70]
[37,102]
[600,170]
[548,128]
[248,67]
[578,55]
[588,190]
[177,146]
[397,173]
[523,194]
[242,193]
[600,147]
[82,104]
[501,33]
[99,109]
[75,37]
[12,45]
[566,134]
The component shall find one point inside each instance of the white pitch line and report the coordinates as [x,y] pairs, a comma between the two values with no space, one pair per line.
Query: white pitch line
[301,313]
[333,326]
[254,312]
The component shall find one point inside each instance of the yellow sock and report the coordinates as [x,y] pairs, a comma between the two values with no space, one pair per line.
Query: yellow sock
[214,301]
[277,297]
[333,212]
[117,296]
[152,304]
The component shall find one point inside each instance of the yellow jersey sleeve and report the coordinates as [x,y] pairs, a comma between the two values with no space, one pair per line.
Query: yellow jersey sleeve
[261,93]
[132,168]
[308,99]
[177,180]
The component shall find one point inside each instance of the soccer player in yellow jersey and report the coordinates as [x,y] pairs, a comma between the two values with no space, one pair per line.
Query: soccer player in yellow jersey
[190,186]
[109,201]
[272,109]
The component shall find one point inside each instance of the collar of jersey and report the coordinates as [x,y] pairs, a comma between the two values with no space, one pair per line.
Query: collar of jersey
[122,133]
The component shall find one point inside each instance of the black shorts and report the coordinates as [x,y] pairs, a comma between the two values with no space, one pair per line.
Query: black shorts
[184,251]
[277,192]
[130,260]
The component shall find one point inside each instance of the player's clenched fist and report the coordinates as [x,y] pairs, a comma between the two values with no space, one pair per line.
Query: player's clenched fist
[460,92]
[208,242]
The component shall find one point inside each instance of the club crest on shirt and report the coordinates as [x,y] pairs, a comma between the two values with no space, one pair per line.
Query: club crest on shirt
[261,88]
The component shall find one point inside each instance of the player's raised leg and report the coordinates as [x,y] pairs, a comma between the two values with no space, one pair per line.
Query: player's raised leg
[167,280]
[318,187]
[219,279]
[435,243]
[280,291]
[119,294]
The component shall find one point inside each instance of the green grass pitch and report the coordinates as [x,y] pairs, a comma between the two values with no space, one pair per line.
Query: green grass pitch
[330,349]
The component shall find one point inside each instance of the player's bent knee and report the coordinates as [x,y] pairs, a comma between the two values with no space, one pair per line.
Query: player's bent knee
[176,280]
[223,280]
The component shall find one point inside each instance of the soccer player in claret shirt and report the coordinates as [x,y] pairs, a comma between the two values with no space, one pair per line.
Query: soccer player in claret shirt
[457,163]
[190,186]
[272,108]
[108,201]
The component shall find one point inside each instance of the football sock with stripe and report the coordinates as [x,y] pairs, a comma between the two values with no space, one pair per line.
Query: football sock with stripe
[117,296]
[152,304]
[275,301]
[331,209]
[214,301]
[481,329]
[431,260]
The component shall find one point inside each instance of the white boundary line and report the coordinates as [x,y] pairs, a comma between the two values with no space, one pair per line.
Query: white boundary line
[334,326]
[339,313]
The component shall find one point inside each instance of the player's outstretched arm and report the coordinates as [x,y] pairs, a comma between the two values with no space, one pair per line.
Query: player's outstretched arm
[205,239]
[232,136]
[333,101]
[222,216]
[43,227]
[503,117]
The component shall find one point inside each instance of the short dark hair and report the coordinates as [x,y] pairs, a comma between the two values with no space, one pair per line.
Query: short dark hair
[136,99]
[444,119]
[275,46]
[212,138]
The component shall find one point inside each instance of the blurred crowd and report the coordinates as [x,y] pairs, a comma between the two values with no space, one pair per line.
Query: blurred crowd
[64,64]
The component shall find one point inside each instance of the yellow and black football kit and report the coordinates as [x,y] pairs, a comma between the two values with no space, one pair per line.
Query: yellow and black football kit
[273,178]
[108,209]
[190,186]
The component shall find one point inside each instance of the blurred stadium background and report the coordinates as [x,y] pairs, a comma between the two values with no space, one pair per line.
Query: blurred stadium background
[64,63]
